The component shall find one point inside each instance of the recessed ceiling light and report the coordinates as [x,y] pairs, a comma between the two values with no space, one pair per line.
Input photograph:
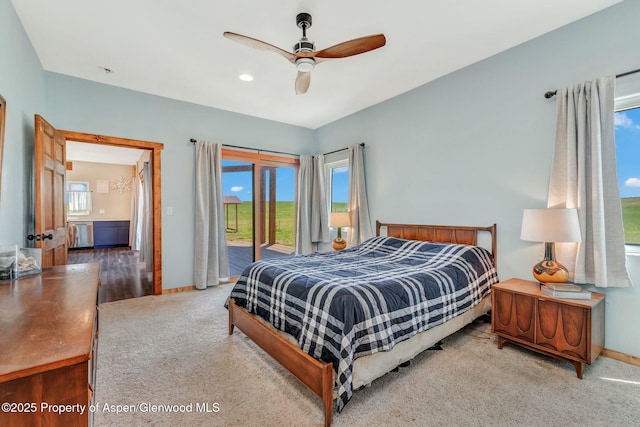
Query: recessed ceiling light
[245,77]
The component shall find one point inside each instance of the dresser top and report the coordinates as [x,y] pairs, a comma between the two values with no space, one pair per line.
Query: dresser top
[46,320]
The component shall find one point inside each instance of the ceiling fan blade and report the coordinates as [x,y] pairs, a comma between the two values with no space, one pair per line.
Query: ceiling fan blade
[352,47]
[259,44]
[302,82]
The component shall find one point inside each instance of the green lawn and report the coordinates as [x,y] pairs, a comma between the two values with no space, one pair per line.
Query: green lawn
[631,218]
[285,222]
[286,219]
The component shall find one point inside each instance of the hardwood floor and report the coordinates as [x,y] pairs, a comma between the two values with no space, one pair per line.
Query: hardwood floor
[121,273]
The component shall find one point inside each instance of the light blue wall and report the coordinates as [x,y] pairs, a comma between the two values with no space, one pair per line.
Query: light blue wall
[475,147]
[85,106]
[22,86]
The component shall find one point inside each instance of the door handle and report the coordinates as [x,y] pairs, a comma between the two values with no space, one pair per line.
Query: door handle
[39,237]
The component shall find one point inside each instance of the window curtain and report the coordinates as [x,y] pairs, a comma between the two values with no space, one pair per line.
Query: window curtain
[135,206]
[312,223]
[358,206]
[584,176]
[146,240]
[211,261]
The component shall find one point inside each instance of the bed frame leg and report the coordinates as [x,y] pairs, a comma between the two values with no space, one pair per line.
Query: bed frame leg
[436,346]
[232,304]
[327,393]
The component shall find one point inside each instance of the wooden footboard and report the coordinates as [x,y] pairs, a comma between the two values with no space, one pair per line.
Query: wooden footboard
[316,375]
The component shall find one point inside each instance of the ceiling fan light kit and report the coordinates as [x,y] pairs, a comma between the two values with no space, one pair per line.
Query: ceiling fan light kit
[304,55]
[305,65]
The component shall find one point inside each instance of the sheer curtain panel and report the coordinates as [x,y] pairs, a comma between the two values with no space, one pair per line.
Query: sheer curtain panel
[135,206]
[312,219]
[146,226]
[584,176]
[211,262]
[358,205]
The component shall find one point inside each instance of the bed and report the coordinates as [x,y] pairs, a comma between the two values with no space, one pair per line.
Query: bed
[339,320]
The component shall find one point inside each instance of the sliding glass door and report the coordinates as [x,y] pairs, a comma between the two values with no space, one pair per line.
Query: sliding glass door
[278,206]
[260,206]
[237,189]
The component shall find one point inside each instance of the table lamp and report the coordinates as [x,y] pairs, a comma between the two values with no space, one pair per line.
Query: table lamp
[550,226]
[339,220]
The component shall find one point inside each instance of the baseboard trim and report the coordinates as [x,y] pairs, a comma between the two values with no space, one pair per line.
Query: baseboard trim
[177,290]
[193,288]
[627,358]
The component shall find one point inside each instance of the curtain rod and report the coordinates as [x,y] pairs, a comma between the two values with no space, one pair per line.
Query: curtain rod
[193,141]
[552,93]
[342,149]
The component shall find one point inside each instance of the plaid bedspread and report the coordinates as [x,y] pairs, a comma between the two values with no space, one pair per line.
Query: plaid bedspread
[365,299]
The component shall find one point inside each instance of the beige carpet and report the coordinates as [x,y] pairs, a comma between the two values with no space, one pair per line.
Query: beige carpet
[174,350]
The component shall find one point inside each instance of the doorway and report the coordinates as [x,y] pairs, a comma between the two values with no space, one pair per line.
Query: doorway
[106,217]
[154,199]
[260,203]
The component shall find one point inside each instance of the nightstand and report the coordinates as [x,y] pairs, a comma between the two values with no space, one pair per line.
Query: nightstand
[567,329]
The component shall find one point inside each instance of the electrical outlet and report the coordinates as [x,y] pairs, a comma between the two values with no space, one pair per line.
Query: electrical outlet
[170,210]
[101,211]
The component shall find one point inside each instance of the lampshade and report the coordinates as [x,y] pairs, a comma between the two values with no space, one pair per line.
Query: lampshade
[550,225]
[339,219]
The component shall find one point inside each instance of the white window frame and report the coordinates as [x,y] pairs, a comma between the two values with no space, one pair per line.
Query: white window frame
[629,99]
[329,178]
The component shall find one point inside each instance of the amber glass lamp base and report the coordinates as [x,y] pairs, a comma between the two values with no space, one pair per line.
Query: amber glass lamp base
[339,243]
[549,271]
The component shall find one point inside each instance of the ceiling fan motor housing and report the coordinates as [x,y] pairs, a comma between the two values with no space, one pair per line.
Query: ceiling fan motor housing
[303,20]
[303,46]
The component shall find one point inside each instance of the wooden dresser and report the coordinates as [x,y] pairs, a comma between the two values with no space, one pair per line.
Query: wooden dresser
[48,343]
[568,329]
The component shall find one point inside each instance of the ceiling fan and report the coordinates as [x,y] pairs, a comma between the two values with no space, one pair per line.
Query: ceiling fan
[304,55]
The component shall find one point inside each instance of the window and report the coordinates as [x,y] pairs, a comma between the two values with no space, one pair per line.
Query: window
[338,185]
[627,135]
[78,198]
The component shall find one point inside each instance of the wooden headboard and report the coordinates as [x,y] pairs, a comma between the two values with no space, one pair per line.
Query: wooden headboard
[462,234]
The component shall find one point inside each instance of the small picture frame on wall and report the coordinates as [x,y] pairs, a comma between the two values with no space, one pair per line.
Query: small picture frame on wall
[102,186]
[3,107]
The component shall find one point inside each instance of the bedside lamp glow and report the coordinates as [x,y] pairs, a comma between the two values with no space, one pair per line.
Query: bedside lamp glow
[550,226]
[339,220]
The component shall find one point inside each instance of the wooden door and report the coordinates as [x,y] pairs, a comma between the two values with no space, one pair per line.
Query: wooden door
[50,216]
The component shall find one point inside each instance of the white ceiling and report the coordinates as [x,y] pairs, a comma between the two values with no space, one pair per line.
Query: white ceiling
[97,153]
[176,48]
